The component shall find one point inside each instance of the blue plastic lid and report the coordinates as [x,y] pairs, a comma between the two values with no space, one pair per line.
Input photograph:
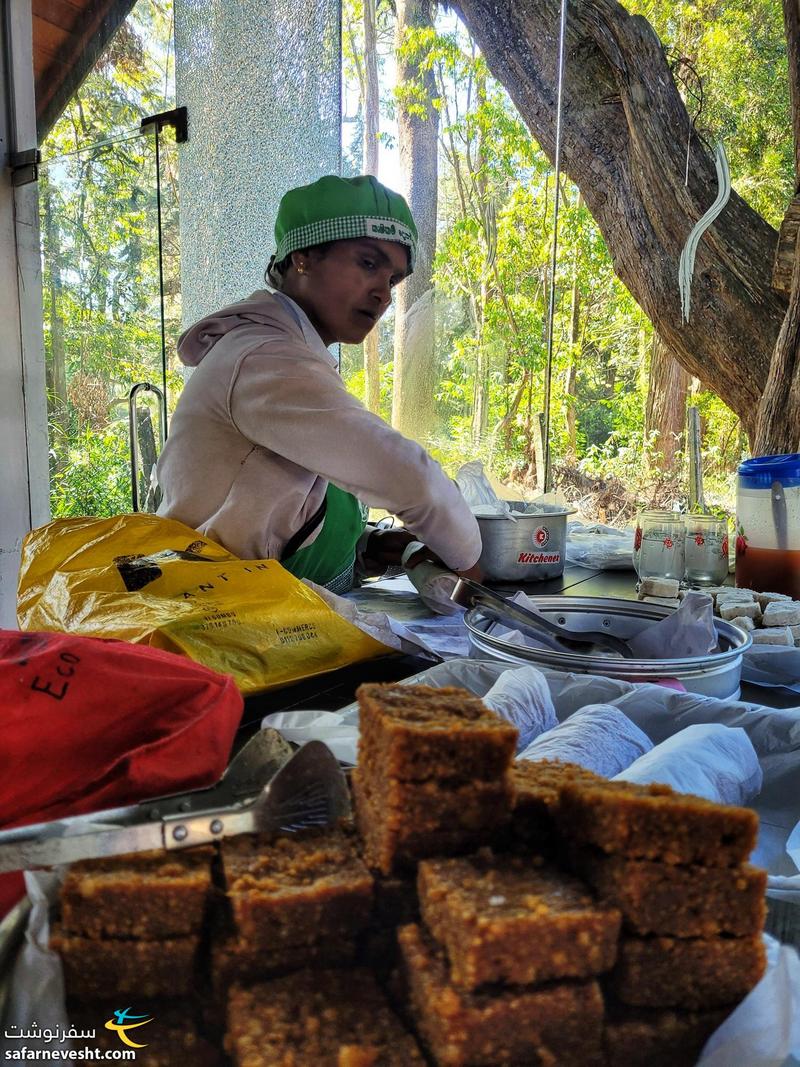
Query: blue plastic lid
[761,471]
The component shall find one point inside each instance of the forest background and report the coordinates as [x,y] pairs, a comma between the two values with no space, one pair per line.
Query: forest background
[460,363]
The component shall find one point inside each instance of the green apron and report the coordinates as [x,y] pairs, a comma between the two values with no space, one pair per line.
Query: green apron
[329,559]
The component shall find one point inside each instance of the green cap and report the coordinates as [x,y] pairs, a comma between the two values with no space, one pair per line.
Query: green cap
[340,209]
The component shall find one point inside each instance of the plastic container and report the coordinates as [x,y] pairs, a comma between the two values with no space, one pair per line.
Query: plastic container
[768,525]
[532,549]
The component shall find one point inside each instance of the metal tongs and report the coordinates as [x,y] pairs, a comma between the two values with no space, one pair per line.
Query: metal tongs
[472,594]
[265,788]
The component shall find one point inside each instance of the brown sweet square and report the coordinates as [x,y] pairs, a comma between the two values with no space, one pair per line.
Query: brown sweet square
[296,889]
[536,786]
[692,973]
[147,969]
[234,959]
[641,1037]
[683,901]
[406,821]
[145,895]
[416,732]
[515,922]
[654,822]
[327,1018]
[540,1026]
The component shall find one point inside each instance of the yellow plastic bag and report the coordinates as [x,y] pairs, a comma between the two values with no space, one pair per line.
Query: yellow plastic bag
[157,582]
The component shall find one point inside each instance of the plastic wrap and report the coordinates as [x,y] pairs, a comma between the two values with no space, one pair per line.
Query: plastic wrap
[709,760]
[602,548]
[523,697]
[598,737]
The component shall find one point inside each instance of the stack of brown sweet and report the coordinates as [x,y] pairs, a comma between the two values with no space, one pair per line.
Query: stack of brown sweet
[508,913]
[692,907]
[130,928]
[432,776]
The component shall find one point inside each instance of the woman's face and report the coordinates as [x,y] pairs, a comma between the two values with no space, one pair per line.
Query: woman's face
[346,289]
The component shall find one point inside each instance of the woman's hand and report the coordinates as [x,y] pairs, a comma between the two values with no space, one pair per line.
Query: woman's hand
[385,549]
[475,573]
[425,554]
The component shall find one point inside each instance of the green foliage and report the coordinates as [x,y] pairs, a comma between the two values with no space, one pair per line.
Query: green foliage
[491,269]
[739,51]
[492,263]
[100,261]
[94,478]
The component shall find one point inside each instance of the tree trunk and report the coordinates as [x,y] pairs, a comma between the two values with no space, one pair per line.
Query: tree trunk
[791,22]
[56,372]
[480,408]
[413,408]
[480,415]
[372,372]
[624,136]
[779,411]
[571,378]
[668,386]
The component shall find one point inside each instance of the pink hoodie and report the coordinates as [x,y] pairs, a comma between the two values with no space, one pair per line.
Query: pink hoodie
[265,422]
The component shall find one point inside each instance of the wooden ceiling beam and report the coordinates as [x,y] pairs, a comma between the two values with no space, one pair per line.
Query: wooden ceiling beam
[68,60]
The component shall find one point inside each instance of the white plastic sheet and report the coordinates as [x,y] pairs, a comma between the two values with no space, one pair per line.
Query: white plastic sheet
[689,631]
[522,696]
[598,737]
[478,492]
[710,760]
[602,548]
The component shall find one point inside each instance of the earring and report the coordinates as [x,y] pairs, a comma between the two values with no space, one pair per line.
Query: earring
[301,270]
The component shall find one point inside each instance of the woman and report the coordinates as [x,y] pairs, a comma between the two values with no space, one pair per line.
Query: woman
[268,453]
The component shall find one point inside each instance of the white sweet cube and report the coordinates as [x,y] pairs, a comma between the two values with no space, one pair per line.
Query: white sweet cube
[773,635]
[732,609]
[770,598]
[740,596]
[662,587]
[744,622]
[782,613]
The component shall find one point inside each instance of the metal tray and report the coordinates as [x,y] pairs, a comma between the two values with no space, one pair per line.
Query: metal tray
[716,674]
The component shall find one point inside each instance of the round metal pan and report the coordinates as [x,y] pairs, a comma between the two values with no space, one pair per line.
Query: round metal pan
[716,674]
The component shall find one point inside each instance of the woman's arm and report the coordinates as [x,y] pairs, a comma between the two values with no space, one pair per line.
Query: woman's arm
[291,401]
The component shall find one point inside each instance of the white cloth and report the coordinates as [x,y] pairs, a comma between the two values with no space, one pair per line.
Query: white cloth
[265,422]
[522,696]
[709,760]
[599,737]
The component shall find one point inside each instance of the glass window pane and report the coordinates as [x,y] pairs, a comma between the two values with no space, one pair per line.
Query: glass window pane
[261,82]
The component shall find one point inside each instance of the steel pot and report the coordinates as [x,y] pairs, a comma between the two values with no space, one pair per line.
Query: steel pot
[532,549]
[716,674]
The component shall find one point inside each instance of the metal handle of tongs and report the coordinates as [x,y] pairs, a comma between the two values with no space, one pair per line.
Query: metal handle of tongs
[469,593]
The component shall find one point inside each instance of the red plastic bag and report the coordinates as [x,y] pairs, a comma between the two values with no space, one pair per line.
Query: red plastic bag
[87,724]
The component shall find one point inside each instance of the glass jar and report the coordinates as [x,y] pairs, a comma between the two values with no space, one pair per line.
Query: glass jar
[706,550]
[768,525]
[658,545]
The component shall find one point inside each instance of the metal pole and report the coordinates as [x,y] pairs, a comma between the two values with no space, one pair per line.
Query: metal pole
[696,497]
[551,304]
[162,315]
